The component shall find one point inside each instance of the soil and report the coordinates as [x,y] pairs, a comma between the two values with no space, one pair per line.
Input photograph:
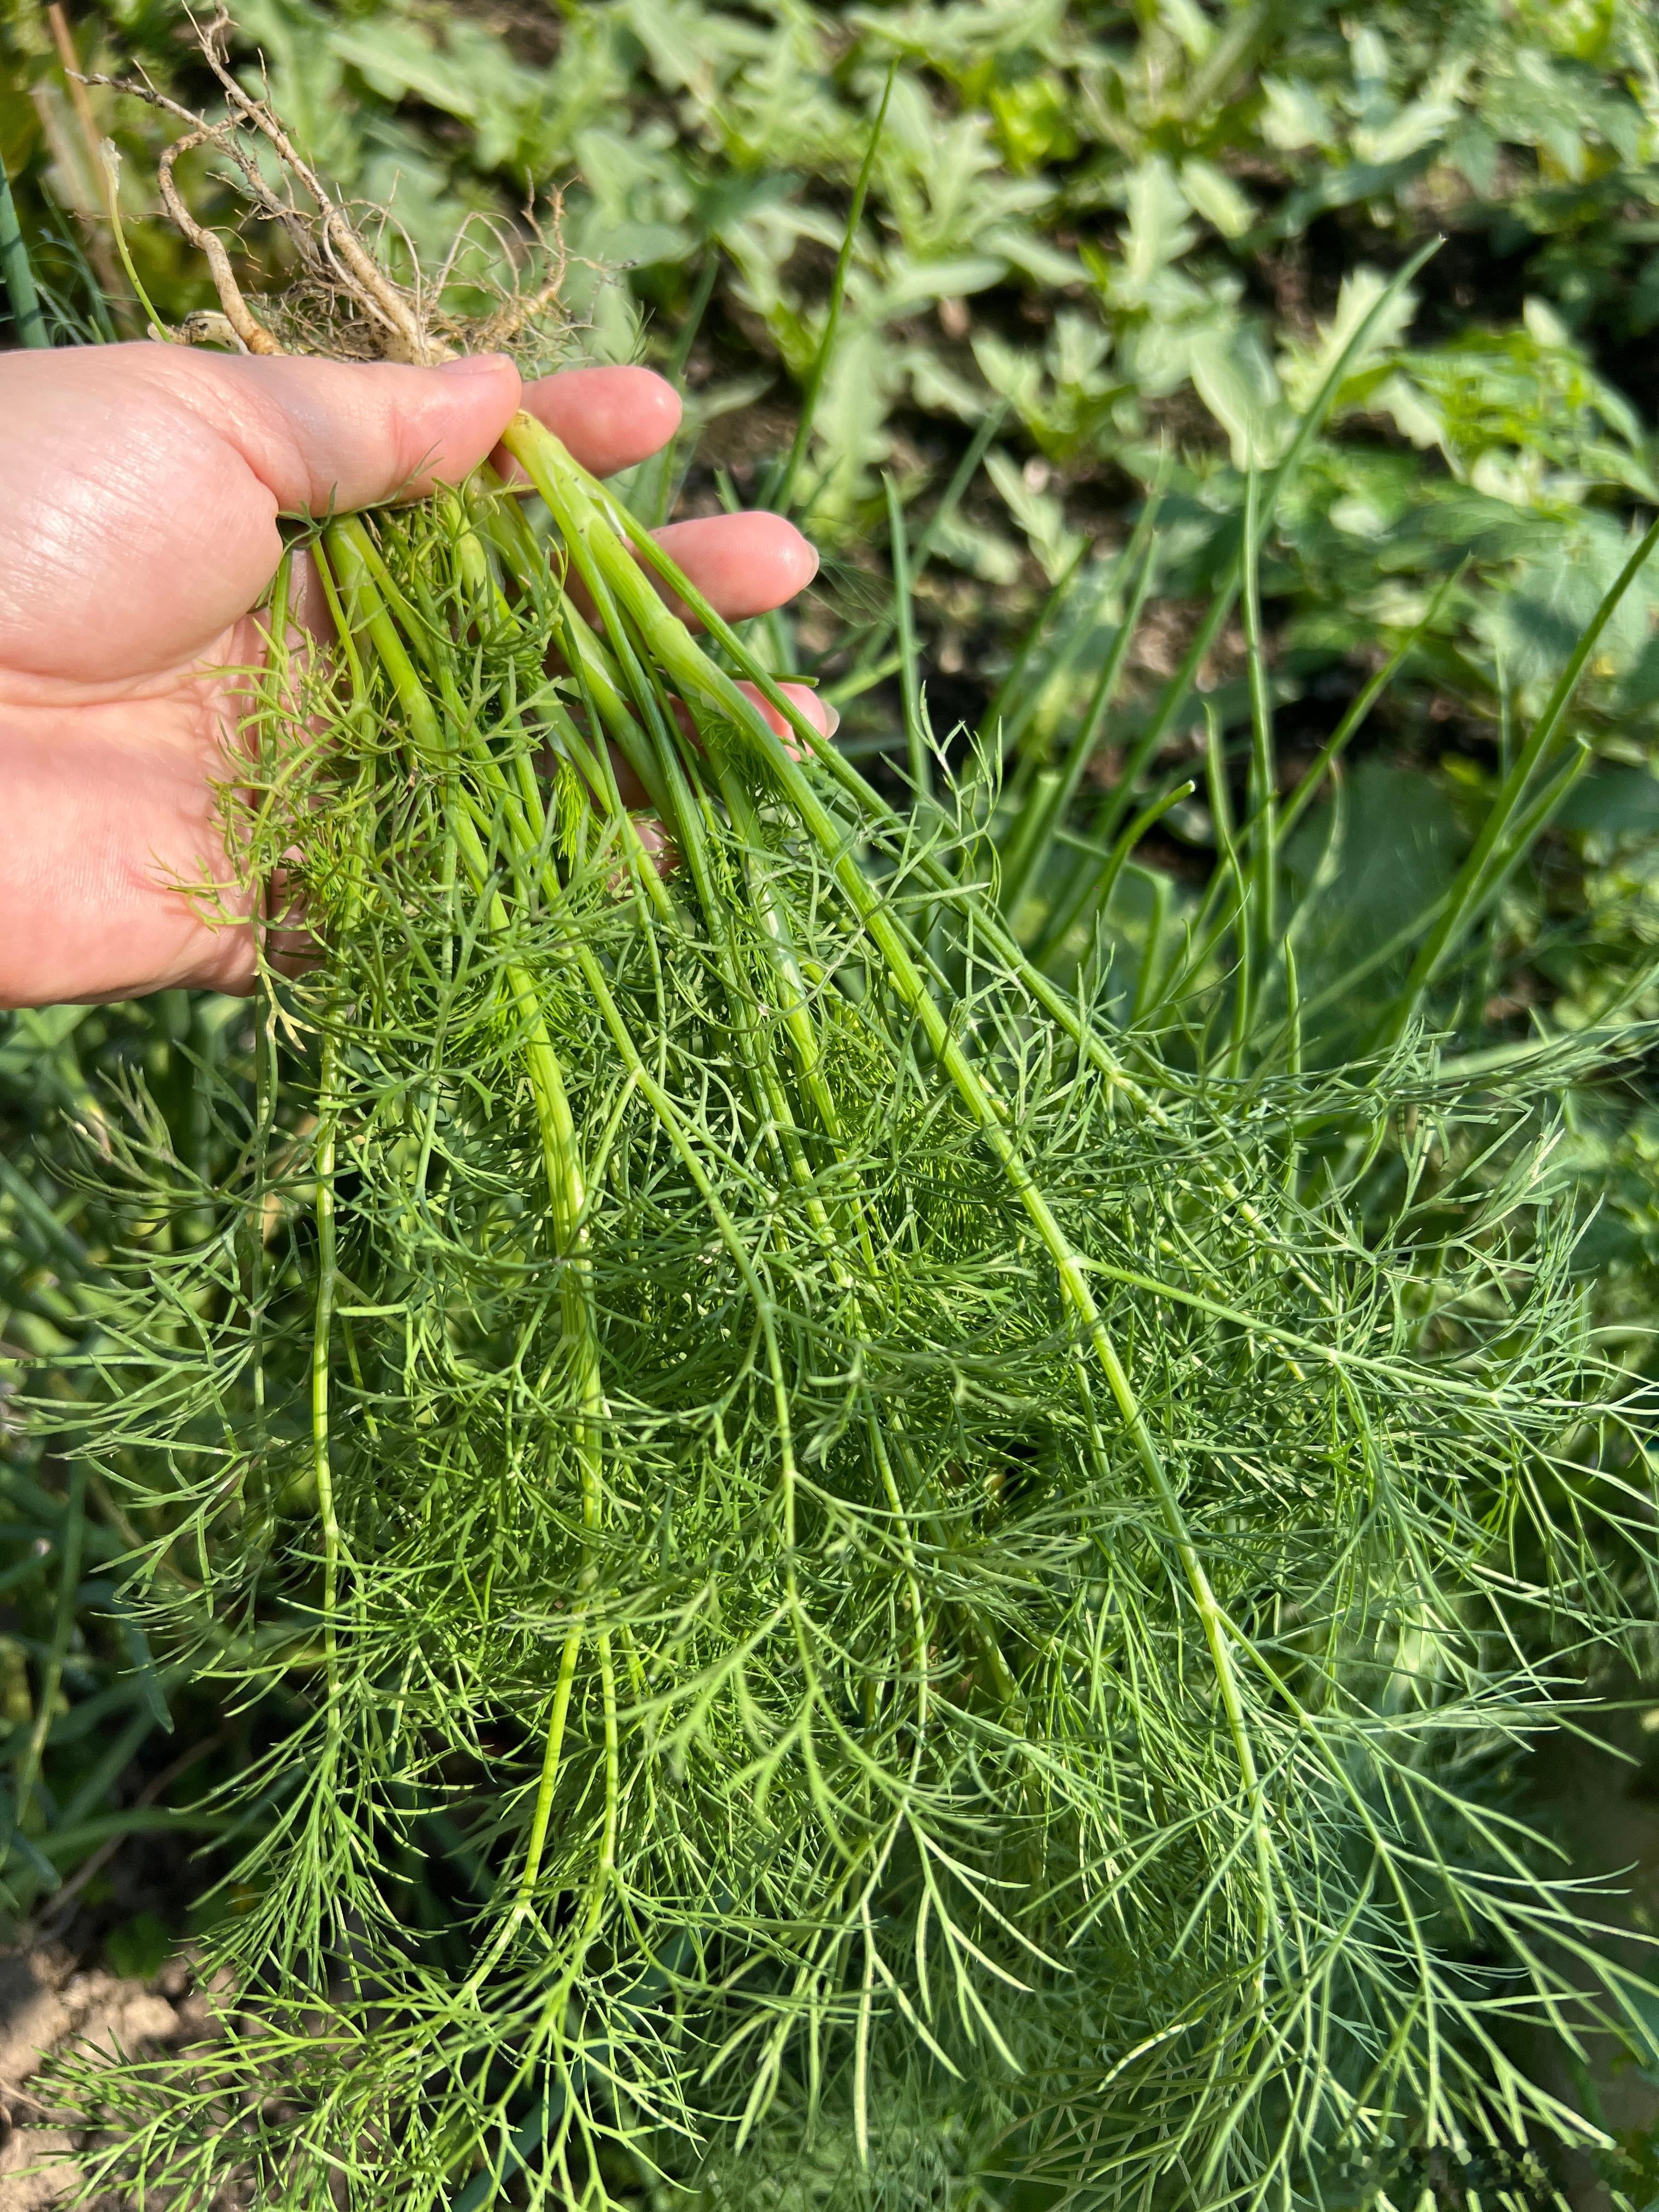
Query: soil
[51,2003]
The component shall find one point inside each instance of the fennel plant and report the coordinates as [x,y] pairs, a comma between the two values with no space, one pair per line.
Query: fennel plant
[897,1575]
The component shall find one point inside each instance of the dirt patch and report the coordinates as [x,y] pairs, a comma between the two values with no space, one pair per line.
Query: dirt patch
[51,2003]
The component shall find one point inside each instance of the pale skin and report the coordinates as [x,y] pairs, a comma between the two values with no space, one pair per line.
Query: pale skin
[142,486]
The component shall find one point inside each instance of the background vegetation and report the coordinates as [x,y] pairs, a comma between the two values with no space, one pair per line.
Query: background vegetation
[1125,242]
[1104,248]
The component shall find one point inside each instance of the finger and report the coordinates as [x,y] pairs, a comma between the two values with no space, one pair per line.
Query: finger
[742,564]
[111,811]
[328,434]
[801,696]
[608,418]
[806,704]
[656,844]
[311,625]
[143,485]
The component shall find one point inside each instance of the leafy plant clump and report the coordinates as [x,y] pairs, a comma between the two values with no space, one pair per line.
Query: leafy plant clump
[898,1572]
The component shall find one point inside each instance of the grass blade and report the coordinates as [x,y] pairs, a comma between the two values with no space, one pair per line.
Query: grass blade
[781,493]
[26,313]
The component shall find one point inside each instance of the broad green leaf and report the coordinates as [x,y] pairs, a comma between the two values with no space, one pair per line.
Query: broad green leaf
[1213,194]
[1237,381]
[1037,512]
[1293,115]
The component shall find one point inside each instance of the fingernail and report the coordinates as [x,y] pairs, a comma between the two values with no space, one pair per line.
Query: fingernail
[834,722]
[469,364]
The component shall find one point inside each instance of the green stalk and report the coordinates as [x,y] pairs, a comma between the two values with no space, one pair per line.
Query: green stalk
[870,667]
[662,495]
[1354,720]
[682,812]
[582,524]
[1175,691]
[26,318]
[71,1538]
[1443,939]
[357,566]
[323,1205]
[678,810]
[352,555]
[1529,828]
[781,494]
[871,806]
[1261,920]
[109,161]
[683,816]
[915,737]
[1034,839]
[991,729]
[1061,1006]
[322,1328]
[265,1064]
[1093,896]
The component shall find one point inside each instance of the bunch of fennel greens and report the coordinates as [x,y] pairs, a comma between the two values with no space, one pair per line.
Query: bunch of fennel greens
[893,1589]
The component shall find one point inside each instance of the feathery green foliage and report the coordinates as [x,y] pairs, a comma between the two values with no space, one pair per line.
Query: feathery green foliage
[907,1490]
[935,1564]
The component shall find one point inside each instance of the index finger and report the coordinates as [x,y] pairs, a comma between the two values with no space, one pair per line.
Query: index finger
[609,418]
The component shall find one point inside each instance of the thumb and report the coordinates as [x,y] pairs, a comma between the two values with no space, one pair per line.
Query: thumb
[144,483]
[322,434]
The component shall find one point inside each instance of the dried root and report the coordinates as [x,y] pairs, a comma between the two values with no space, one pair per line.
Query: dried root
[343,299]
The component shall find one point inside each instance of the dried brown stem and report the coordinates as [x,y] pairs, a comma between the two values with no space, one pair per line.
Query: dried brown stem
[249,330]
[345,299]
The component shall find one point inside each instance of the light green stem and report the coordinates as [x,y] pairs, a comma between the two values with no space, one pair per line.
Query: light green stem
[322,1459]
[360,571]
[583,524]
[1485,854]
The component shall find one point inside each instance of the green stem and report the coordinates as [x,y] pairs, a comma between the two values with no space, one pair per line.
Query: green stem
[1262,920]
[1472,875]
[1061,1006]
[870,655]
[1337,744]
[70,1542]
[1001,729]
[25,315]
[1093,895]
[1034,842]
[783,491]
[700,682]
[358,569]
[1175,691]
[322,1330]
[681,812]
[915,735]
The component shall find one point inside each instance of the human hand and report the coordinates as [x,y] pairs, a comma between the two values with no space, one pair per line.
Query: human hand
[142,486]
